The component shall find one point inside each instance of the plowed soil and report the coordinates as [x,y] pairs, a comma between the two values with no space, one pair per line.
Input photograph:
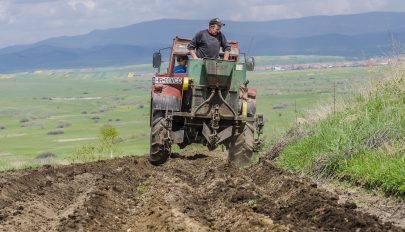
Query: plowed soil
[194,192]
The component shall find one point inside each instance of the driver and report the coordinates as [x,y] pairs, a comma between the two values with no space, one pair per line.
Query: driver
[206,43]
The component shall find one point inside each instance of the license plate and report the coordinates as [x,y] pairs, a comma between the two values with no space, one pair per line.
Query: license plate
[167,80]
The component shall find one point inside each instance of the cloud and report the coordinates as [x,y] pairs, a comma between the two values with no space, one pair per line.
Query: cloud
[26,21]
[3,11]
[77,4]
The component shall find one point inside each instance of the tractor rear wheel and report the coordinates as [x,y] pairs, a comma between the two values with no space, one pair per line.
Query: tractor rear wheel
[241,147]
[158,152]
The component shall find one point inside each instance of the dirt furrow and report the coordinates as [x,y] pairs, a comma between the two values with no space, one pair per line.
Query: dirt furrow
[191,192]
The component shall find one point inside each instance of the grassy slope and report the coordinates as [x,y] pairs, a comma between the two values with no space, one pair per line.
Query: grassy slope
[363,142]
[302,90]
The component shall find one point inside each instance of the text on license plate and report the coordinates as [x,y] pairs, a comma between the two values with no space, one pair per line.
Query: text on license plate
[167,80]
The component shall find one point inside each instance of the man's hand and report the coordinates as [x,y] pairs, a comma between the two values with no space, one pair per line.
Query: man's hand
[193,54]
[226,55]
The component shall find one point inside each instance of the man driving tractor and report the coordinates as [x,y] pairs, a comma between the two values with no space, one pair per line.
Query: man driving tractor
[206,43]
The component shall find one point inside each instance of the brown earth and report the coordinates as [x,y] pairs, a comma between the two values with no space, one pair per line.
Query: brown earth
[387,208]
[195,192]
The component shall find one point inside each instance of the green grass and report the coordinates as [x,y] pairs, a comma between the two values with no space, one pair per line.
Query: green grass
[295,59]
[110,95]
[363,142]
[302,91]
[50,97]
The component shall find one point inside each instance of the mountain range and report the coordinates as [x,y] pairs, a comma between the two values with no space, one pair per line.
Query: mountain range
[353,36]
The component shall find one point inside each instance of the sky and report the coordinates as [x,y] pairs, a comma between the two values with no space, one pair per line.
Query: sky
[28,21]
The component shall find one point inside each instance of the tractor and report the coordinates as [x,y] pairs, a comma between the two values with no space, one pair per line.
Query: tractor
[210,104]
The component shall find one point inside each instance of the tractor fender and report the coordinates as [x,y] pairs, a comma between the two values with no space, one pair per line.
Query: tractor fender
[251,101]
[248,95]
[166,97]
[251,107]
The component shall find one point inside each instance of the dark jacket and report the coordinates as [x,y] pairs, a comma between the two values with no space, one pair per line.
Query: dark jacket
[207,45]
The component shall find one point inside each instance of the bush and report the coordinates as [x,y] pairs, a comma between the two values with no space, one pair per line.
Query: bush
[104,109]
[27,124]
[2,127]
[45,155]
[24,120]
[33,123]
[83,112]
[85,153]
[280,106]
[62,124]
[56,132]
[109,134]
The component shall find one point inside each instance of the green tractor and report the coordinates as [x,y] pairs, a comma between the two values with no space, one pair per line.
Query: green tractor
[210,104]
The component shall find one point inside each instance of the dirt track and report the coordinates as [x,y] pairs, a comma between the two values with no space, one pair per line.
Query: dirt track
[189,193]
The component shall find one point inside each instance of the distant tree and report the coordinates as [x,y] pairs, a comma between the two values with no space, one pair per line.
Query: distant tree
[109,135]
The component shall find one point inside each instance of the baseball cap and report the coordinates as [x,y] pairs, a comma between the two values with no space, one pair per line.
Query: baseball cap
[216,21]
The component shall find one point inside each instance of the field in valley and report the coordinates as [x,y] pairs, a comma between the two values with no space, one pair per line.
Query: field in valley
[48,115]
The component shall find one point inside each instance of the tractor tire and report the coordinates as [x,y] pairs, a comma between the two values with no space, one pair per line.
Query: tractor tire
[158,152]
[241,146]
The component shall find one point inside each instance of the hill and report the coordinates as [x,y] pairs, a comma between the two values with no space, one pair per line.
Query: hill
[363,142]
[360,35]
